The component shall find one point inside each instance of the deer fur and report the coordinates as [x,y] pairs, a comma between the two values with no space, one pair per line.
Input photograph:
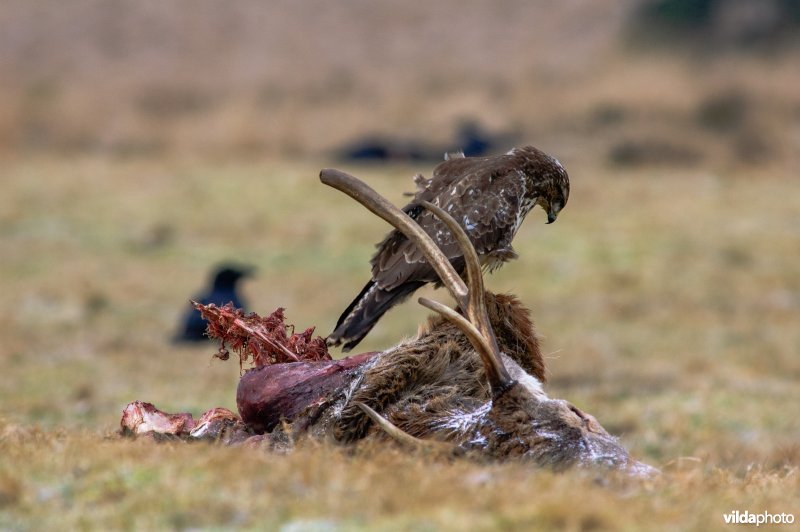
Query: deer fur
[441,367]
[434,388]
[470,382]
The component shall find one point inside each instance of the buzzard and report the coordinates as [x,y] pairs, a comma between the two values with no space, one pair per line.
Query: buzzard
[488,196]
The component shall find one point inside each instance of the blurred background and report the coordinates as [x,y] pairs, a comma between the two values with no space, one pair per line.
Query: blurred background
[143,143]
[632,82]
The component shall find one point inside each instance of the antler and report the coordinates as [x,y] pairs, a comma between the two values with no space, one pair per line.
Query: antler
[470,296]
[405,438]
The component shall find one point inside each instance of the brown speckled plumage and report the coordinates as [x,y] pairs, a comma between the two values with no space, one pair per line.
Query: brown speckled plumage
[488,196]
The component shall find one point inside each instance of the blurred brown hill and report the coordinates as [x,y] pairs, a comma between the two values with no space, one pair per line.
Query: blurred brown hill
[627,82]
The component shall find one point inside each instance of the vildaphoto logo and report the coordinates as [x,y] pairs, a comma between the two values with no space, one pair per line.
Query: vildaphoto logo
[764,518]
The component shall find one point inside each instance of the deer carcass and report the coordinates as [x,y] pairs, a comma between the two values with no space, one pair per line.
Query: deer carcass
[469,383]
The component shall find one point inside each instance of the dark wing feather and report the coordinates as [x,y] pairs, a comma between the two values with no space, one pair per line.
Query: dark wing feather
[482,194]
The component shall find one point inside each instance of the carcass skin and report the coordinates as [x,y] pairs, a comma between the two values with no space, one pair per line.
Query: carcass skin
[218,424]
[431,387]
[295,390]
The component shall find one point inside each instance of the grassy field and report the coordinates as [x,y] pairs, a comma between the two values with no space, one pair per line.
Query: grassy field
[668,292]
[668,300]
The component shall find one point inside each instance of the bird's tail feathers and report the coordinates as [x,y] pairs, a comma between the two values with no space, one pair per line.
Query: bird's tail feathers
[365,311]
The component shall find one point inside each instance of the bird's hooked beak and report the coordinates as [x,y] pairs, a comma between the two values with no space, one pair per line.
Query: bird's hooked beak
[550,208]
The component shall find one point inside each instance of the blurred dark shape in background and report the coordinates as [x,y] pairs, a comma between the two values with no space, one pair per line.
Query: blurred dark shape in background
[471,139]
[222,290]
[710,25]
[641,152]
[376,148]
[724,112]
[152,79]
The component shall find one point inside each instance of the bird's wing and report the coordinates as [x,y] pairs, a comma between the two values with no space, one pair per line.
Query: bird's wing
[482,194]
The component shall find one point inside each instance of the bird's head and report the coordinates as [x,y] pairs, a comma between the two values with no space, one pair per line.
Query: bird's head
[555,190]
[548,181]
[226,276]
[553,204]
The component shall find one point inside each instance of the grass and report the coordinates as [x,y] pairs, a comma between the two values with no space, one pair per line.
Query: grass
[668,301]
[137,484]
[668,297]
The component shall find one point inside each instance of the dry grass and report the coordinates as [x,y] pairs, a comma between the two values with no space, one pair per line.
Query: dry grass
[669,303]
[138,485]
[669,296]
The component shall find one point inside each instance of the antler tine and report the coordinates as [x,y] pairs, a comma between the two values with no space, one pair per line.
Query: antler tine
[405,438]
[377,204]
[477,328]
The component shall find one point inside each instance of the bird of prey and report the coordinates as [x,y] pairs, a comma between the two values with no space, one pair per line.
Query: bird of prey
[222,292]
[488,196]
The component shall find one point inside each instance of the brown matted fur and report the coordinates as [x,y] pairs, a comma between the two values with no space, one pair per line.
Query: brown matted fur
[439,372]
